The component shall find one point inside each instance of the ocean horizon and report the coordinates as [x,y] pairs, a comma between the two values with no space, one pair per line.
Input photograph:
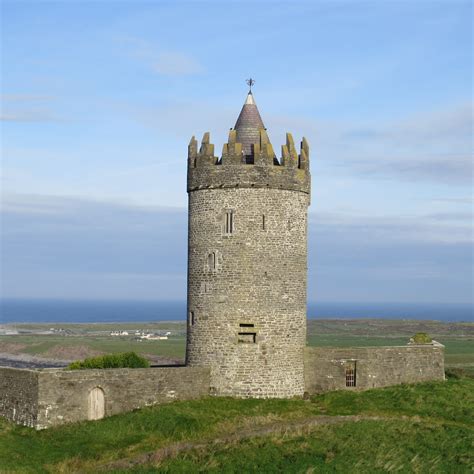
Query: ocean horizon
[88,311]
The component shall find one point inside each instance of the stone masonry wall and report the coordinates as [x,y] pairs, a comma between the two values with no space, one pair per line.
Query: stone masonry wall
[63,395]
[247,290]
[19,395]
[49,397]
[325,367]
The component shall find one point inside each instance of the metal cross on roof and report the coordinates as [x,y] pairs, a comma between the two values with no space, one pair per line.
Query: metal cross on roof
[250,82]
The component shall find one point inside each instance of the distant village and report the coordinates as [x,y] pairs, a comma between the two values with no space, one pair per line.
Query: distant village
[143,335]
[139,335]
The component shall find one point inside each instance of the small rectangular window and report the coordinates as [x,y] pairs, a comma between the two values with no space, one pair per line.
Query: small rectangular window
[263,221]
[191,318]
[247,325]
[351,375]
[247,337]
[229,222]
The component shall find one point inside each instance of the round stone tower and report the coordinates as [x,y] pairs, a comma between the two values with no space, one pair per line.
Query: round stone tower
[247,261]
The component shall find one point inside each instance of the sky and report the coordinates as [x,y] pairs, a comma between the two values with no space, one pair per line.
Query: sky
[100,99]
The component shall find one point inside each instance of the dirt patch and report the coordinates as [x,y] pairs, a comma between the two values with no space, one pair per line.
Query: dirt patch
[71,353]
[12,347]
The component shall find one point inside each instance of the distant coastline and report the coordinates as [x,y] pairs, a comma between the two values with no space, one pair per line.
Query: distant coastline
[48,310]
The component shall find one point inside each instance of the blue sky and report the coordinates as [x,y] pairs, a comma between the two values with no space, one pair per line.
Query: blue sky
[100,99]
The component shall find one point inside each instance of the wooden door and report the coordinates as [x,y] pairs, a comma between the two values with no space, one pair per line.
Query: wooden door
[96,408]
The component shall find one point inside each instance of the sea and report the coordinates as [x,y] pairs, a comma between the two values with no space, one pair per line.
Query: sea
[70,311]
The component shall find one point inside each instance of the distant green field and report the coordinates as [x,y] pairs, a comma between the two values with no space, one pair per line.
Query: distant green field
[41,344]
[419,428]
[457,337]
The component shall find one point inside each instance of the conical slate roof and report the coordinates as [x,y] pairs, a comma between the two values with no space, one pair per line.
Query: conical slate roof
[248,125]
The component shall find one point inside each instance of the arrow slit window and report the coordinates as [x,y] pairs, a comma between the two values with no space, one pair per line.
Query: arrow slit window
[229,219]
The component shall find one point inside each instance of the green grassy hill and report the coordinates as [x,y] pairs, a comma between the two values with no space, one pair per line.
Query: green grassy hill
[413,428]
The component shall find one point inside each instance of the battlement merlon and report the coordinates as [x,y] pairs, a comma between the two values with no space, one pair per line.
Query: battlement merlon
[261,169]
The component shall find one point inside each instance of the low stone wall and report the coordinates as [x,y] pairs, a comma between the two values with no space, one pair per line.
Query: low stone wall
[326,368]
[19,395]
[49,397]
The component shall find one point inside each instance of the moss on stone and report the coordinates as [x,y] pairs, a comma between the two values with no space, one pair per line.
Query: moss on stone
[421,338]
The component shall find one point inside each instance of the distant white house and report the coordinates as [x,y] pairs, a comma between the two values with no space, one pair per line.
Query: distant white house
[142,335]
[153,337]
[119,333]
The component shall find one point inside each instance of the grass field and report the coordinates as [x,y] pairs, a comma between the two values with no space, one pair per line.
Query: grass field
[413,428]
[44,345]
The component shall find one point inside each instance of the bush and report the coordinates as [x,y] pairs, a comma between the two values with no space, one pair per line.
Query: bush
[111,361]
[421,338]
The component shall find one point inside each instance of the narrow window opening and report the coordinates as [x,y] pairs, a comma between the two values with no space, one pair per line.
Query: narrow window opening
[192,318]
[263,221]
[247,337]
[229,222]
[247,325]
[249,159]
[351,375]
[211,261]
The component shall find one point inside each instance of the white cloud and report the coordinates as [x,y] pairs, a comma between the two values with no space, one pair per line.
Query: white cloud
[77,248]
[27,108]
[434,147]
[162,61]
[29,116]
[176,64]
[18,98]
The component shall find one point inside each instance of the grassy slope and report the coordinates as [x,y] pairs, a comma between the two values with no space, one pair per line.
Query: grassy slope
[365,446]
[438,439]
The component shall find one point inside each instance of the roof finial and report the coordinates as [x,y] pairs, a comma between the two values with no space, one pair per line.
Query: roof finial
[250,82]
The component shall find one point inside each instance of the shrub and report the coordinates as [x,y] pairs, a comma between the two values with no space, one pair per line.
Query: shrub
[111,361]
[421,338]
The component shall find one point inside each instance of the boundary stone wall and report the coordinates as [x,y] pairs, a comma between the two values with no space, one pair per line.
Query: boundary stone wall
[49,397]
[19,395]
[325,367]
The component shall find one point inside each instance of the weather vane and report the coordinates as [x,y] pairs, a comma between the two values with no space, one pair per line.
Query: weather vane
[250,82]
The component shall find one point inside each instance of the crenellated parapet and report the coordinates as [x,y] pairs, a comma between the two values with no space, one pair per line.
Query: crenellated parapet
[262,169]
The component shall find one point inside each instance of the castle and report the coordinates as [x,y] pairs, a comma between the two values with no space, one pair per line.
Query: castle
[246,322]
[247,261]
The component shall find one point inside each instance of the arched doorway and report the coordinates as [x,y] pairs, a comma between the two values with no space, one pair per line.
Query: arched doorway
[96,404]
